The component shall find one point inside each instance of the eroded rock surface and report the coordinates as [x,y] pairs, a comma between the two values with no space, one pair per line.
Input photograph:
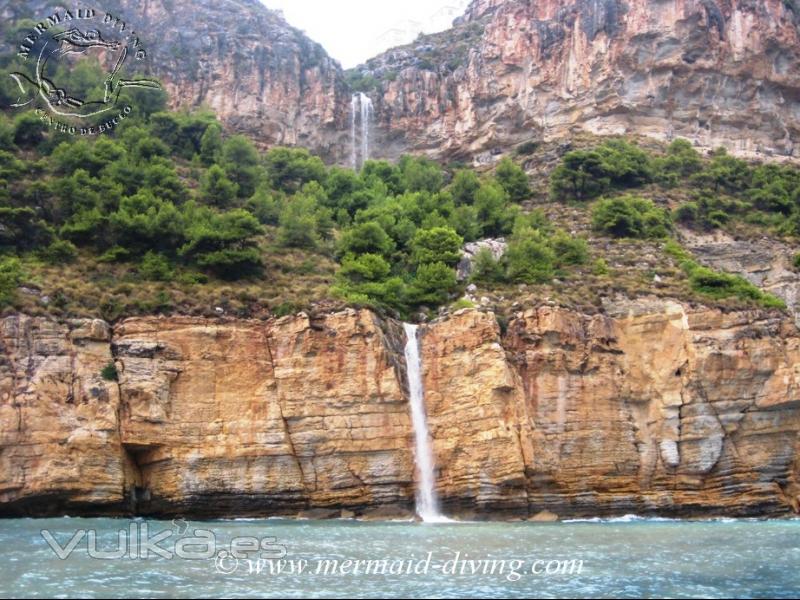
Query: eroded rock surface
[652,408]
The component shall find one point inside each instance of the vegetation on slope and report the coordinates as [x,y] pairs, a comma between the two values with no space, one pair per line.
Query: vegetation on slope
[166,213]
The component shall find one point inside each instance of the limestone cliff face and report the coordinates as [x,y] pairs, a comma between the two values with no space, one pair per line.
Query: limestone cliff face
[260,75]
[653,408]
[717,72]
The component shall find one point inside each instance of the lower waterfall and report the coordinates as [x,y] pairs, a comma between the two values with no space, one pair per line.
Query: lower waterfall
[427,499]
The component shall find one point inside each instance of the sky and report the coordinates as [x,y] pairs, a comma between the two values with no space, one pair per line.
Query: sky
[355,30]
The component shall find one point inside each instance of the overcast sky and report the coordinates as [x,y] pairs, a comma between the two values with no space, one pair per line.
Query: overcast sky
[350,29]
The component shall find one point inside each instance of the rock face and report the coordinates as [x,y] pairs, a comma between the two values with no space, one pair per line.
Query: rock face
[766,263]
[261,76]
[655,408]
[717,72]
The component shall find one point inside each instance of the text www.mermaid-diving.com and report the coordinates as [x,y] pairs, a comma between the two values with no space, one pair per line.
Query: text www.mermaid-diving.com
[456,564]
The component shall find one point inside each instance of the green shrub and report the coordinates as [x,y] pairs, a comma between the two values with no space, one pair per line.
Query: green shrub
[366,238]
[10,278]
[486,268]
[155,267]
[217,190]
[569,250]
[433,283]
[630,216]
[59,252]
[462,303]
[115,254]
[513,179]
[529,258]
[439,244]
[717,285]
[600,267]
[109,372]
[289,169]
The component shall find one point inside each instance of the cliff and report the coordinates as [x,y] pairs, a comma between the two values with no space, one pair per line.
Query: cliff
[654,408]
[716,72]
[261,76]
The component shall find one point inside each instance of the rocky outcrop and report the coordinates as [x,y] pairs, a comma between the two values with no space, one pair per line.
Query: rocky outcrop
[59,427]
[717,72]
[652,408]
[765,262]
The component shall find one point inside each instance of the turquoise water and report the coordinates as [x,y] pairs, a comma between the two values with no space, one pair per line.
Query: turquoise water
[626,558]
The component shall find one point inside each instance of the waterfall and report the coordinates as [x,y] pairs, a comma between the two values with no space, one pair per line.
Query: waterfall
[366,115]
[361,114]
[353,111]
[427,500]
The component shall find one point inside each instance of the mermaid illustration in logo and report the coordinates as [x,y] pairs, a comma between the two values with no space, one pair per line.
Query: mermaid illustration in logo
[58,99]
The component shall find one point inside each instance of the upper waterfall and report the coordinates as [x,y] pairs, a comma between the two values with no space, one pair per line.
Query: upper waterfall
[361,114]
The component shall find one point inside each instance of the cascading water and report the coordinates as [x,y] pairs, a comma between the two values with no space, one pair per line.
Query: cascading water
[353,112]
[366,115]
[361,114]
[427,500]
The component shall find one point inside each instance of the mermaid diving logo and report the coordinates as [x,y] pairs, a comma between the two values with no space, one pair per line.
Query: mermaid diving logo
[54,48]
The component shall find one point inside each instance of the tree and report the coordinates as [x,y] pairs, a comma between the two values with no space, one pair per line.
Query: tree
[21,229]
[366,279]
[29,130]
[420,174]
[580,176]
[494,214]
[223,243]
[724,173]
[433,283]
[144,222]
[381,173]
[439,244]
[513,179]
[298,223]
[366,238]
[529,258]
[160,177]
[216,189]
[211,144]
[486,268]
[265,205]
[680,161]
[630,216]
[289,169]
[240,161]
[464,186]
[625,164]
